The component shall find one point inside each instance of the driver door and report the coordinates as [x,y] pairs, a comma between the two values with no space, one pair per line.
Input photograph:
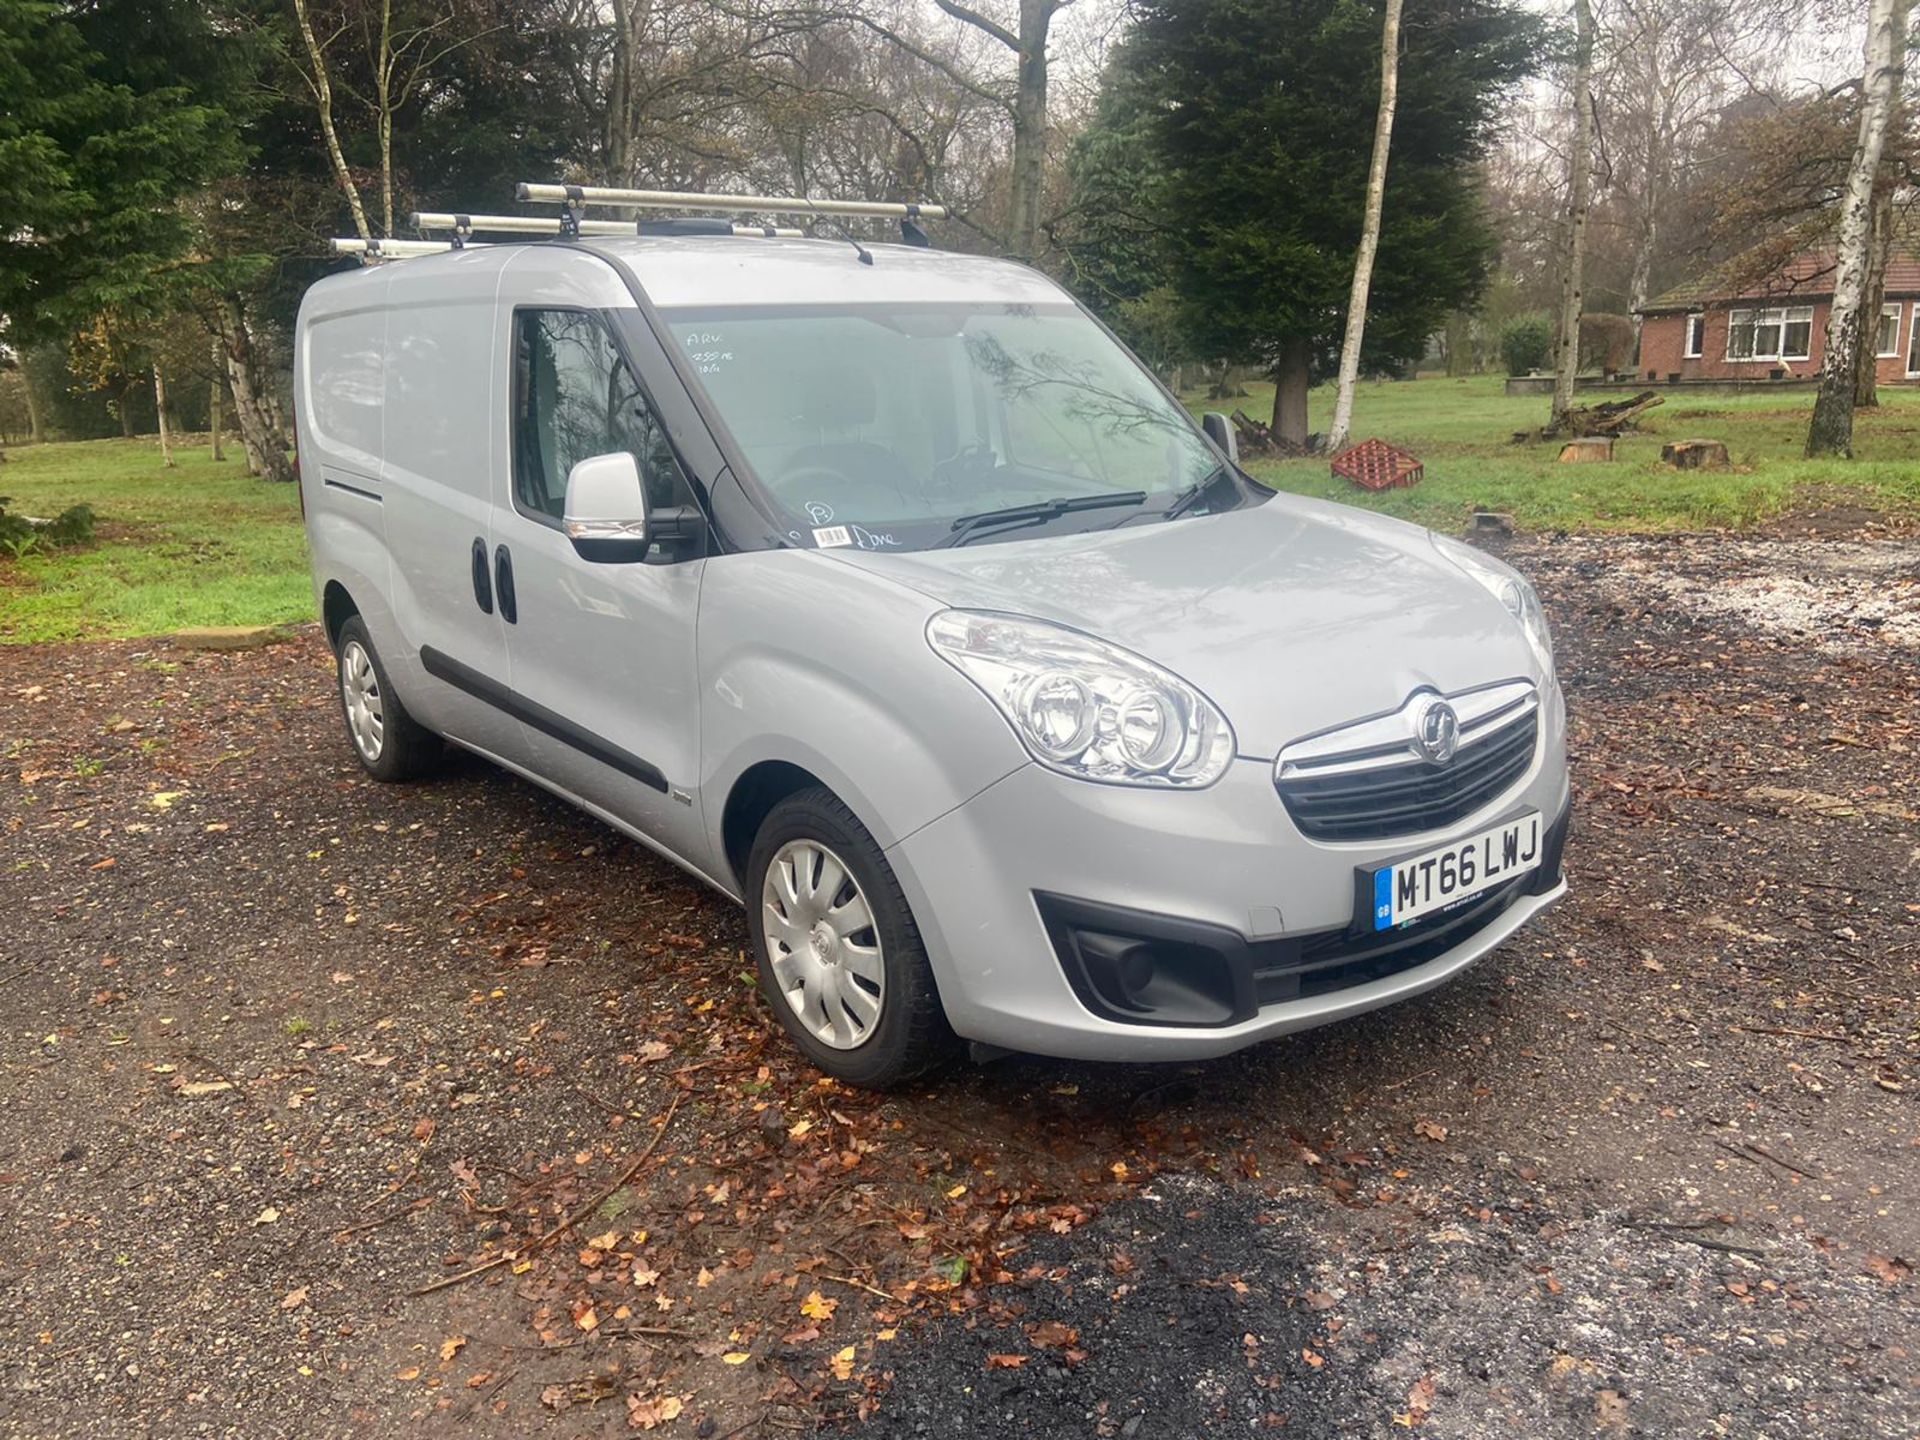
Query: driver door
[602,655]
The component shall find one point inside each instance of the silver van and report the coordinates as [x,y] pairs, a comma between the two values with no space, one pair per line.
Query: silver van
[885,591]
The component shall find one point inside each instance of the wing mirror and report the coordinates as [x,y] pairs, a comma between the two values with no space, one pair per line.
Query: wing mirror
[606,509]
[607,518]
[1219,429]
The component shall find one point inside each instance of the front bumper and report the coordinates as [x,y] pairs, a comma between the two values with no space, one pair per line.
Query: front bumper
[1003,886]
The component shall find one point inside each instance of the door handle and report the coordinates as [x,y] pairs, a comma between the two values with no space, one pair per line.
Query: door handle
[503,585]
[482,577]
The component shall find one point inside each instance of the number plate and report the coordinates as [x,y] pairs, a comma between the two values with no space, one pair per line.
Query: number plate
[1459,870]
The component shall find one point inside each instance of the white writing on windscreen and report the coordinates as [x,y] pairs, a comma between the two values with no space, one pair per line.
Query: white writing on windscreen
[707,350]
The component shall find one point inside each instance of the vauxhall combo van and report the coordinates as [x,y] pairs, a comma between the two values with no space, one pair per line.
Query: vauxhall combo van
[883,590]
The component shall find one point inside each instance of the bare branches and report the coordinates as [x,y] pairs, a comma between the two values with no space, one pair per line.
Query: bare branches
[981,23]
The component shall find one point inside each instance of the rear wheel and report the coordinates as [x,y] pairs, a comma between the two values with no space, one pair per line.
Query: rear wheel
[390,743]
[840,958]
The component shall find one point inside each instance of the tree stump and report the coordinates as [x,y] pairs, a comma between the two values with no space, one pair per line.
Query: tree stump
[1696,455]
[1587,449]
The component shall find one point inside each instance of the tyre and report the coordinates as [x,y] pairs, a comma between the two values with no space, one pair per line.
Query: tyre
[840,958]
[391,744]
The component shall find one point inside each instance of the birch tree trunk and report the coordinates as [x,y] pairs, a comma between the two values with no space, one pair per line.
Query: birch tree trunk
[1866,365]
[1831,432]
[36,427]
[383,85]
[160,412]
[265,446]
[1369,230]
[213,404]
[322,86]
[1579,188]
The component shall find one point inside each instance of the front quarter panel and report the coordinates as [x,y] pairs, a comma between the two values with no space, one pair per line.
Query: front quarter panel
[827,667]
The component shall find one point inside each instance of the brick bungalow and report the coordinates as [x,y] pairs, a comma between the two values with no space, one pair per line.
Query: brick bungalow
[1775,327]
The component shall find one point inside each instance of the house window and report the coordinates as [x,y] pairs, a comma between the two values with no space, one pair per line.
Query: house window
[1889,345]
[1776,334]
[1696,337]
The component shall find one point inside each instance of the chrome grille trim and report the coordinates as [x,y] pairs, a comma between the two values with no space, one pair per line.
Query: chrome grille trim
[1368,781]
[1388,739]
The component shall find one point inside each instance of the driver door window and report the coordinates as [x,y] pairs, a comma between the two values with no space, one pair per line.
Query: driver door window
[573,398]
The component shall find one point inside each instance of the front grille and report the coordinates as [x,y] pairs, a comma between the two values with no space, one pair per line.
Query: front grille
[1338,960]
[1380,788]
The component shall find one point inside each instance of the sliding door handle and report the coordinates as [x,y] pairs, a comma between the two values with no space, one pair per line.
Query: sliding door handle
[503,585]
[482,577]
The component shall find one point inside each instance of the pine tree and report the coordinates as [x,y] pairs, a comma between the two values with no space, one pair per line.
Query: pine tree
[1265,115]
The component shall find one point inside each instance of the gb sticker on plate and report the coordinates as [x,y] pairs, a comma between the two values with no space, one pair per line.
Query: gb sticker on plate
[831,535]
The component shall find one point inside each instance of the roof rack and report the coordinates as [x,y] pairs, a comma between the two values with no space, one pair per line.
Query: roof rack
[587,195]
[577,198]
[394,249]
[463,225]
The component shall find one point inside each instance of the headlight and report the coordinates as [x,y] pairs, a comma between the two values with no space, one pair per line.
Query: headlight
[1509,589]
[1084,707]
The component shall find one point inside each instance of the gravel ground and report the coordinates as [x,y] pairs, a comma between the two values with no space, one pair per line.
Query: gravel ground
[279,1047]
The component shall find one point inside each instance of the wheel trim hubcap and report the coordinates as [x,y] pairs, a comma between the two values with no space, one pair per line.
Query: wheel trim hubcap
[360,689]
[822,944]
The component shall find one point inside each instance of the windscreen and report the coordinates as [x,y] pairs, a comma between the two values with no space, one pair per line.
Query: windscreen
[882,426]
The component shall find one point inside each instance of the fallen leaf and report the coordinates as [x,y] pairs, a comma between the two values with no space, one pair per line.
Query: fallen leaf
[193,1089]
[1430,1130]
[1316,1361]
[267,1216]
[655,1050]
[1052,1335]
[1889,1268]
[1007,1362]
[818,1307]
[736,1357]
[412,1372]
[843,1364]
[294,1299]
[1610,1410]
[451,1346]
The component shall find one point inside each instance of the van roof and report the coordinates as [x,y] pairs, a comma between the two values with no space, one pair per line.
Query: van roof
[702,271]
[708,272]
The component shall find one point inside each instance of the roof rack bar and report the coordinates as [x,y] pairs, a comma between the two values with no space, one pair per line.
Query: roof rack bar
[579,195]
[397,249]
[551,225]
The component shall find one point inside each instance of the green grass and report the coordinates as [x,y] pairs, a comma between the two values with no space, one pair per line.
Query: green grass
[207,544]
[201,544]
[1462,429]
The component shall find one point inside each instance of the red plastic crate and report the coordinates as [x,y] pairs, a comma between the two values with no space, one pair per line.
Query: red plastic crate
[1376,465]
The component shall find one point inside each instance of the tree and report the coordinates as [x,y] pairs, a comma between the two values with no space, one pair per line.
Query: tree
[1831,431]
[1579,194]
[104,131]
[1260,112]
[1369,231]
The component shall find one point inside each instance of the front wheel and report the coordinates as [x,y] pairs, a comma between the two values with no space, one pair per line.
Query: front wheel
[840,958]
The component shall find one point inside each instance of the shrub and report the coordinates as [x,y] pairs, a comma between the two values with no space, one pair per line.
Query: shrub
[1526,343]
[18,534]
[1606,342]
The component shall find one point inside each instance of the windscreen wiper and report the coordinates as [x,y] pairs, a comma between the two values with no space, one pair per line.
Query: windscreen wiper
[1193,494]
[1036,513]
